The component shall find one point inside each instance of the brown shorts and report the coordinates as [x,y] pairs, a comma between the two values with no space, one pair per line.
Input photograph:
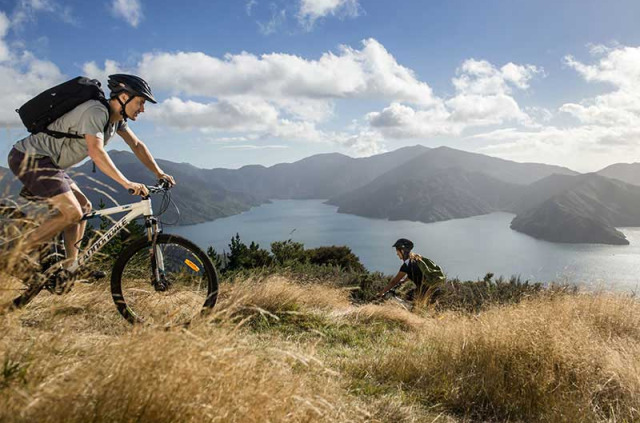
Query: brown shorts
[39,175]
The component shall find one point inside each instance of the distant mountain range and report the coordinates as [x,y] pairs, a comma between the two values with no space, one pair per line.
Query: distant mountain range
[625,172]
[412,183]
[579,209]
[442,184]
[321,176]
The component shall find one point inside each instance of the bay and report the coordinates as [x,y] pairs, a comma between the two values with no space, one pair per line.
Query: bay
[465,248]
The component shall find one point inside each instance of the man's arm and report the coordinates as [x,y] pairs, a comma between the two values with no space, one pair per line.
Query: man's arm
[401,276]
[100,157]
[143,154]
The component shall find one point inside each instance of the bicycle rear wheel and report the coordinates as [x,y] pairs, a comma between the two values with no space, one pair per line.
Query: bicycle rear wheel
[15,272]
[189,283]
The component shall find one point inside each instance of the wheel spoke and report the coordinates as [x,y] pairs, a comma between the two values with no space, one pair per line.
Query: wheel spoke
[188,282]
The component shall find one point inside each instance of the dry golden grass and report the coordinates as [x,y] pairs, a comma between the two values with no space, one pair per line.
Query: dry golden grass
[573,358]
[63,362]
[387,313]
[72,358]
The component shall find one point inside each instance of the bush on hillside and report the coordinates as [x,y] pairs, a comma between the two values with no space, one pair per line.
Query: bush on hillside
[284,254]
[341,256]
[288,252]
[242,256]
[219,260]
[475,296]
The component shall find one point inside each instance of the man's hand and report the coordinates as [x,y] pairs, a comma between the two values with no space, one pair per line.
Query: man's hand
[167,178]
[136,189]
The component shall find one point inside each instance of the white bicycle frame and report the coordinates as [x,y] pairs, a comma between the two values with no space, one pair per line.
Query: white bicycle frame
[142,208]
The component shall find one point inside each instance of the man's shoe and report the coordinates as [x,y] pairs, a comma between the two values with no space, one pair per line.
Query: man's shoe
[59,282]
[97,275]
[92,276]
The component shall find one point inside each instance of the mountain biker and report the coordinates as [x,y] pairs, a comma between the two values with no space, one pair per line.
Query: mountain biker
[425,274]
[40,160]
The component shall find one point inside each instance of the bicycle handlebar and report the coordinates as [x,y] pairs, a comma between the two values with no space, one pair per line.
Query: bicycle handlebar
[162,186]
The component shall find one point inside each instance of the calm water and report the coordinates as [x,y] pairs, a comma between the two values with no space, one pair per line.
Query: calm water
[467,248]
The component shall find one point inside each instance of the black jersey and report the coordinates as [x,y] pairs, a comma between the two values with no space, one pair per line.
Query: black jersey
[411,268]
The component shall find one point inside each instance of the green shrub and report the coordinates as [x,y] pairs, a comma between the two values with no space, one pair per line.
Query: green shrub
[341,256]
[288,252]
[242,256]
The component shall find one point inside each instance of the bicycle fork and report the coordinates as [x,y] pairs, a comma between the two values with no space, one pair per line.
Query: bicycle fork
[158,274]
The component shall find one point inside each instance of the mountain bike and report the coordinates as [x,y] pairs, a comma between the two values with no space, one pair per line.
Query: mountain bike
[158,279]
[393,296]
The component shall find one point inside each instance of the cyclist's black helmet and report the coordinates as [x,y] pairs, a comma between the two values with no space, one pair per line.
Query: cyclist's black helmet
[131,84]
[403,244]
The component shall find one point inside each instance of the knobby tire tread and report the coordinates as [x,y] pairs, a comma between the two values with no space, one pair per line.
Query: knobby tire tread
[137,245]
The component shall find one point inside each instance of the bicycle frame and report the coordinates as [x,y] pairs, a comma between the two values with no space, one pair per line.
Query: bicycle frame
[142,208]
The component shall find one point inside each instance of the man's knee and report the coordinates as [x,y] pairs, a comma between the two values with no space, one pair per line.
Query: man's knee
[69,207]
[72,213]
[86,207]
[84,202]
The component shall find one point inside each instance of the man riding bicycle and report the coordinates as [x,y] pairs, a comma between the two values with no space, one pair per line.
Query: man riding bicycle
[424,273]
[40,160]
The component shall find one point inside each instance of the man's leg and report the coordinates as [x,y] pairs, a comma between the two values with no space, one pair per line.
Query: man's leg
[69,214]
[74,233]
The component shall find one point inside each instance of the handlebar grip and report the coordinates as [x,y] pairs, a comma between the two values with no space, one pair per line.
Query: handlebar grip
[131,191]
[163,183]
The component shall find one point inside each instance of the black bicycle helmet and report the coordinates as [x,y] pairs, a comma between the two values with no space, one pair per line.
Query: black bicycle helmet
[131,84]
[134,85]
[403,244]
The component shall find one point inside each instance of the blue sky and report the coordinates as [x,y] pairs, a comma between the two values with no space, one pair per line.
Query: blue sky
[254,81]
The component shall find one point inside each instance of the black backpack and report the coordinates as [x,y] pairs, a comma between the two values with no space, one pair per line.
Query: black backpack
[39,112]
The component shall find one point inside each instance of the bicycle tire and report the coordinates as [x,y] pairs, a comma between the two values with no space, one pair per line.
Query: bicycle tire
[26,283]
[132,278]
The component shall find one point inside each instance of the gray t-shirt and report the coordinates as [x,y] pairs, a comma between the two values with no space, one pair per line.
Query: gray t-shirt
[88,118]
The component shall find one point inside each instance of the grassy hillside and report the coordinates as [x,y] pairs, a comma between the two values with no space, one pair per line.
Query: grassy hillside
[285,350]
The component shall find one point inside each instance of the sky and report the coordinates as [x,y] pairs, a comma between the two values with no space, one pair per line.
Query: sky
[268,81]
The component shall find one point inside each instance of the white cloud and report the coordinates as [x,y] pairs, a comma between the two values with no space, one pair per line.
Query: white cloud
[370,73]
[312,10]
[582,148]
[401,121]
[93,71]
[223,115]
[484,92]
[253,147]
[619,68]
[283,95]
[483,97]
[26,10]
[480,110]
[605,129]
[20,79]
[364,143]
[606,125]
[129,10]
[278,18]
[4,28]
[22,76]
[254,119]
[249,6]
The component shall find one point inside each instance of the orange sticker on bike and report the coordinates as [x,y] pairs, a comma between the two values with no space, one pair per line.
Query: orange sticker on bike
[192,265]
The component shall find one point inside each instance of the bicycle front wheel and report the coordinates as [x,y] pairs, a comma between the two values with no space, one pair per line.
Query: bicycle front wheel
[187,287]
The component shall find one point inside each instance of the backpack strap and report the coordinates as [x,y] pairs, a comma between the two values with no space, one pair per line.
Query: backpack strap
[58,134]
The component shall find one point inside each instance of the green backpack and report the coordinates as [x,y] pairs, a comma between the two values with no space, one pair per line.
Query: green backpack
[431,272]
